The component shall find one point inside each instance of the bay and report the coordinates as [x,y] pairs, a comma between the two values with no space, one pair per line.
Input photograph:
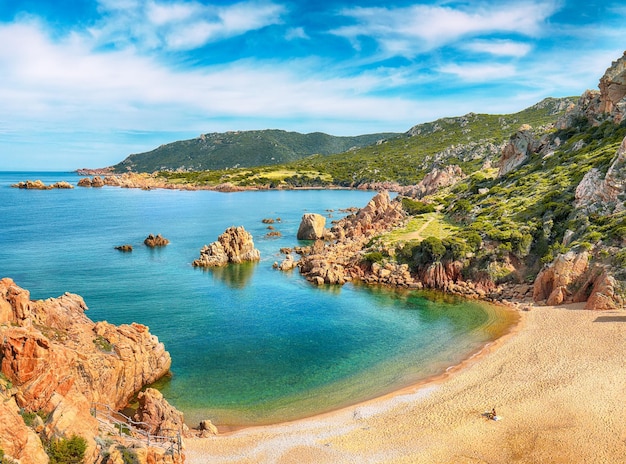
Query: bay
[250,345]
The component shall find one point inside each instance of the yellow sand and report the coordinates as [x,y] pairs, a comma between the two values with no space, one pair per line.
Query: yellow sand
[558,383]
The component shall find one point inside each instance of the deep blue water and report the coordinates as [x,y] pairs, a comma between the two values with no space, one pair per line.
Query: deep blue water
[249,344]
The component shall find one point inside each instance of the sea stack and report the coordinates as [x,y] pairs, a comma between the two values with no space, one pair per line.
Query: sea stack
[235,245]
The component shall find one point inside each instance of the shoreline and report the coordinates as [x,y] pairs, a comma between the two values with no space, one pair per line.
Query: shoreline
[556,379]
[509,316]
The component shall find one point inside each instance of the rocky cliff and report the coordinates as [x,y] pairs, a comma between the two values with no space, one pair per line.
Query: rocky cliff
[55,362]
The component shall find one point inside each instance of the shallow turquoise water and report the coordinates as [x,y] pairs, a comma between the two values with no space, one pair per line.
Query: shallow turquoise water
[250,345]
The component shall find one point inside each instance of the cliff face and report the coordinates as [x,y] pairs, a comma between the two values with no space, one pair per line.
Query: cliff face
[609,102]
[604,194]
[56,361]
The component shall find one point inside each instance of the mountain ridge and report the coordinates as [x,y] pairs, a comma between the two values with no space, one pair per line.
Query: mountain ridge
[234,149]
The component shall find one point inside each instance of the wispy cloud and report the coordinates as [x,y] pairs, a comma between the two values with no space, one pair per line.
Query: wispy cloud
[412,30]
[499,47]
[179,25]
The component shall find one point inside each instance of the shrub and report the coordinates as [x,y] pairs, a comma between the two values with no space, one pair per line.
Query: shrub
[129,456]
[432,249]
[67,450]
[620,258]
[456,248]
[374,257]
[415,207]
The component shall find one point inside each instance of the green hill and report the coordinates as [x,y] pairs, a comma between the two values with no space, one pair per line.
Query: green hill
[469,141]
[242,149]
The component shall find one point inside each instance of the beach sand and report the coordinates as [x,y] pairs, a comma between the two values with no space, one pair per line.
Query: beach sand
[558,383]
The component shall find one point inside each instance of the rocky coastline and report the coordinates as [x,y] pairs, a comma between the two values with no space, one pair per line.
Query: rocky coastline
[56,364]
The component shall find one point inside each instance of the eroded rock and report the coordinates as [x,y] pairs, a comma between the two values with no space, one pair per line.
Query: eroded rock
[235,245]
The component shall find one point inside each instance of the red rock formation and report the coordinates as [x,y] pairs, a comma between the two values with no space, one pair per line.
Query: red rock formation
[613,90]
[553,282]
[39,185]
[570,279]
[339,262]
[158,417]
[235,245]
[311,227]
[59,361]
[438,179]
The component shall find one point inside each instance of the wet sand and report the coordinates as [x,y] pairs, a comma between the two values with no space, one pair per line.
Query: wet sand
[558,383]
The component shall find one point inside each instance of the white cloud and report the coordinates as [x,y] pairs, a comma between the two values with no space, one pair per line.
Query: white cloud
[412,30]
[499,47]
[179,25]
[479,72]
[60,84]
[296,33]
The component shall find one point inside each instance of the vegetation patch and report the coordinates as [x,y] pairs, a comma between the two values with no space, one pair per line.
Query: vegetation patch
[66,450]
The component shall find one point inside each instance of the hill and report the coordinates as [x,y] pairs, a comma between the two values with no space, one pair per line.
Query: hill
[468,141]
[242,149]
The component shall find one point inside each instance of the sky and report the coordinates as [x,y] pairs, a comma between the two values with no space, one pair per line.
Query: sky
[85,83]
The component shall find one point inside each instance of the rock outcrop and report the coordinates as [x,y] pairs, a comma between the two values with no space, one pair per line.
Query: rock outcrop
[607,103]
[157,416]
[604,195]
[60,362]
[553,284]
[311,227]
[342,261]
[154,241]
[516,152]
[571,279]
[235,245]
[436,180]
[613,90]
[39,185]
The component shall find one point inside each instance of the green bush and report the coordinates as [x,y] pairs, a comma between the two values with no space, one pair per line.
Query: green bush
[4,459]
[415,207]
[67,450]
[129,456]
[456,249]
[620,258]
[432,249]
[374,257]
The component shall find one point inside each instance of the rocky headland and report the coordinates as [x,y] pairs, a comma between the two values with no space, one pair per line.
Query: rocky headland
[56,364]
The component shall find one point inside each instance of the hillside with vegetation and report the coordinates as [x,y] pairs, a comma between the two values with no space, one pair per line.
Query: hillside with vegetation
[242,149]
[535,200]
[468,141]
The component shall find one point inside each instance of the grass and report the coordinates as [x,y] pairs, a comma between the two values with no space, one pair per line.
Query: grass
[422,226]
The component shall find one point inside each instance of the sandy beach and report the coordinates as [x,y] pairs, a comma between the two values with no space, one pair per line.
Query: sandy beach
[558,383]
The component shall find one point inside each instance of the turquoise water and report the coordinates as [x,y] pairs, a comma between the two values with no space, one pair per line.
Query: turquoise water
[250,345]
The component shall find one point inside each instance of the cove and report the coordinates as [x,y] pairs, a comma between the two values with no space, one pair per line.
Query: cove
[250,345]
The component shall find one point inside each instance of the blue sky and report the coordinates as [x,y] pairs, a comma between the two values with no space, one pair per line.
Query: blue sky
[84,83]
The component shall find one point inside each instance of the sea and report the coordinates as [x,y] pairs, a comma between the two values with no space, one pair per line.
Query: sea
[250,345]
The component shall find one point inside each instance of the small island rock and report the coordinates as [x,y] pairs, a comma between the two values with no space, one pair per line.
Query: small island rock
[311,227]
[156,241]
[235,245]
